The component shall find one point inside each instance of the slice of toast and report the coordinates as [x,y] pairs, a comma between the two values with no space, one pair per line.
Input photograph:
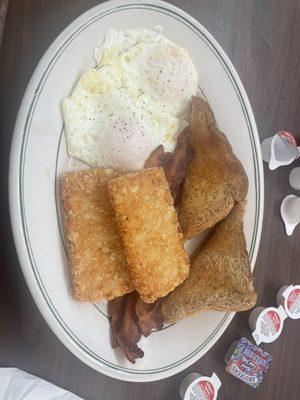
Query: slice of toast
[220,277]
[148,226]
[97,263]
[215,178]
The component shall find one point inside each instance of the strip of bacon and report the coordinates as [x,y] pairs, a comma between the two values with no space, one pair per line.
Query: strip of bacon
[148,316]
[116,308]
[133,352]
[130,317]
[158,158]
[175,164]
[176,169]
[129,333]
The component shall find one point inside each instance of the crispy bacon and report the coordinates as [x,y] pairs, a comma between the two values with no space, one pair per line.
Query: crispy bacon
[148,316]
[158,158]
[116,308]
[175,164]
[130,317]
[133,352]
[176,169]
[129,333]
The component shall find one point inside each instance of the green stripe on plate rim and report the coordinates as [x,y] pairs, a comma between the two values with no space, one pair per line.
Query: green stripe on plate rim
[29,117]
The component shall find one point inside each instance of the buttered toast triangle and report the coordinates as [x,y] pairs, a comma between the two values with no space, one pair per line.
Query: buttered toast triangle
[215,178]
[220,276]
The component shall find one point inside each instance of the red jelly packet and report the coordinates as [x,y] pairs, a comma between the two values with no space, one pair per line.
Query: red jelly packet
[247,362]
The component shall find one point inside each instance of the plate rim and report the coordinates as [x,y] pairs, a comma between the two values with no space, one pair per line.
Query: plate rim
[14,187]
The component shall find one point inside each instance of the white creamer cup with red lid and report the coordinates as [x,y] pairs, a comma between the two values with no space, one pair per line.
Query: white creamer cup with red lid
[266,323]
[198,387]
[280,149]
[289,298]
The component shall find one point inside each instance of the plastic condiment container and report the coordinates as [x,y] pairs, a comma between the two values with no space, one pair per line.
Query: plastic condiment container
[289,298]
[247,362]
[198,387]
[266,323]
[290,213]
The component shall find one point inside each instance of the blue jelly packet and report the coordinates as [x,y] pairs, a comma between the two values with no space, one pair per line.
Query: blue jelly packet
[247,362]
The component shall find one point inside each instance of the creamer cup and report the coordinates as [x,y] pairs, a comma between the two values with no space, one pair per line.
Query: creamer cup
[266,323]
[289,298]
[198,387]
[280,149]
[290,212]
[294,178]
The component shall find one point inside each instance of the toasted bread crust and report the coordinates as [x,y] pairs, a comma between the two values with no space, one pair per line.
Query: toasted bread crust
[215,178]
[96,258]
[148,226]
[220,277]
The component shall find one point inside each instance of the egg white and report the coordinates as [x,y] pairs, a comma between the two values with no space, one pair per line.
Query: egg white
[135,99]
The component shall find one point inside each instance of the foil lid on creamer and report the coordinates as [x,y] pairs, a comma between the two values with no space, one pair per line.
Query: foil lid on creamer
[198,387]
[289,298]
[266,323]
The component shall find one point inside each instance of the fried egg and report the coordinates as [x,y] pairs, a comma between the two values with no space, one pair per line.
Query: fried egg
[135,99]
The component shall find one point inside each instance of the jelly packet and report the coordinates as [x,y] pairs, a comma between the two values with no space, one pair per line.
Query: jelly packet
[247,362]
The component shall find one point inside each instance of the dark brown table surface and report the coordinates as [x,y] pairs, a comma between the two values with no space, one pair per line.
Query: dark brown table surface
[262,38]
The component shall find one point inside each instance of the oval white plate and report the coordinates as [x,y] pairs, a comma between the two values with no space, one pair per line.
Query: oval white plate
[38,156]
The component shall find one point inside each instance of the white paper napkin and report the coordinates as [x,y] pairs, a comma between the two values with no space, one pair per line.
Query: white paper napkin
[19,385]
